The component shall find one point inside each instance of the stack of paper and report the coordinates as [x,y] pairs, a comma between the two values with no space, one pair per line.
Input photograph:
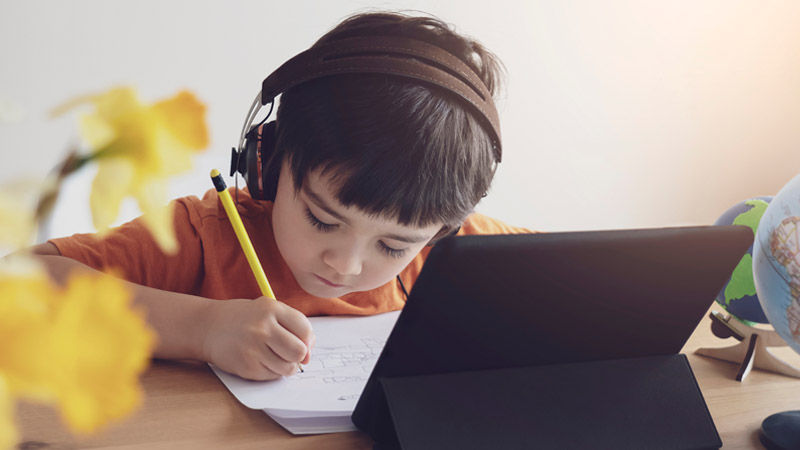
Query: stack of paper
[322,399]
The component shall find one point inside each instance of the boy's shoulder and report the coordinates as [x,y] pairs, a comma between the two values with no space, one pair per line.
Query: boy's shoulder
[209,204]
[477,223]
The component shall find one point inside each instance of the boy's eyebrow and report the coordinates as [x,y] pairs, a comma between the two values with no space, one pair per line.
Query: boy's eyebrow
[324,206]
[408,239]
[321,203]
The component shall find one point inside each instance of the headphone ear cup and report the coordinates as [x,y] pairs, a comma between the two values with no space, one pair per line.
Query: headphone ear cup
[270,162]
[251,174]
[260,174]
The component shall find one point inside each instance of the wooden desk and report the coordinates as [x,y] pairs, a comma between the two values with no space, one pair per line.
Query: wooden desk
[186,406]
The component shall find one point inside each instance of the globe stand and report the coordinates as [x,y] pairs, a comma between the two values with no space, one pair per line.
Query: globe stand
[752,349]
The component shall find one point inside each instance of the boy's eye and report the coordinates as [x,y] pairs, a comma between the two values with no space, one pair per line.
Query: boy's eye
[318,224]
[325,227]
[393,252]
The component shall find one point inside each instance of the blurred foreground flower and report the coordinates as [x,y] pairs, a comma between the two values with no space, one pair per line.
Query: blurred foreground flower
[8,434]
[26,294]
[101,347]
[80,346]
[17,222]
[137,148]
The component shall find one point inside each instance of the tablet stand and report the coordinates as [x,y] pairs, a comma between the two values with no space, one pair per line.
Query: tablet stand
[614,404]
[751,351]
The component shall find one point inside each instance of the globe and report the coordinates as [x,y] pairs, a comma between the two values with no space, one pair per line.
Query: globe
[776,263]
[738,297]
[776,273]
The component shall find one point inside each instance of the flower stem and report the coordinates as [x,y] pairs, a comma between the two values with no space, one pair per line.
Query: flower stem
[49,195]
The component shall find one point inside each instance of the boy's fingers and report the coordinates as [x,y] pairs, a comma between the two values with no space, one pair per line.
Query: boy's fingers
[286,345]
[310,346]
[259,372]
[274,364]
[297,323]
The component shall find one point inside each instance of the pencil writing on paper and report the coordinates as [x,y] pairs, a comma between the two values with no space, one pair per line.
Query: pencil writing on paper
[243,238]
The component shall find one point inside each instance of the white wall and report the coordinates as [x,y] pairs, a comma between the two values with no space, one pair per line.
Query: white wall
[616,113]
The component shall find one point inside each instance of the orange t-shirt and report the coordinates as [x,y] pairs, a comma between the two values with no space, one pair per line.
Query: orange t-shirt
[210,263]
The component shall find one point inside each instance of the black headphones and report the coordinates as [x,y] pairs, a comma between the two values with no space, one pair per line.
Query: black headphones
[256,159]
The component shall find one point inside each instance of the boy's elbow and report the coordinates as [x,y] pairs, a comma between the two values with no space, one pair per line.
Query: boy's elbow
[59,268]
[45,249]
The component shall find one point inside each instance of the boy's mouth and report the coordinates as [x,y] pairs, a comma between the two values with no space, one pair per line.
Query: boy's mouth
[329,283]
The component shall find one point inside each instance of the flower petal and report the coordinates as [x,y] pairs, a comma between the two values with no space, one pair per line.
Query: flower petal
[157,215]
[185,118]
[101,347]
[71,104]
[97,132]
[111,185]
[116,103]
[16,219]
[26,297]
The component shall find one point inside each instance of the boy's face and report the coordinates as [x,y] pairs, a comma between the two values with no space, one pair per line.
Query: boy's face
[333,250]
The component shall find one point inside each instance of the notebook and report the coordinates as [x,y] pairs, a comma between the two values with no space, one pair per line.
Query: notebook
[322,398]
[497,302]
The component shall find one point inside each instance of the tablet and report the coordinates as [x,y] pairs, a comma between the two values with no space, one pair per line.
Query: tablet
[503,301]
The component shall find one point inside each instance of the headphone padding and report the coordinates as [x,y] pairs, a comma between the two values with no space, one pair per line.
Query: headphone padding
[270,162]
[251,158]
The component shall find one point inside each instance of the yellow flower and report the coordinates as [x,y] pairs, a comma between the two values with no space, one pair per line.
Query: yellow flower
[81,346]
[26,299]
[8,434]
[100,347]
[17,224]
[137,147]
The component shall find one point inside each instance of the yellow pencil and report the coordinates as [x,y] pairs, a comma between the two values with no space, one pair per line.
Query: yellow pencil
[241,234]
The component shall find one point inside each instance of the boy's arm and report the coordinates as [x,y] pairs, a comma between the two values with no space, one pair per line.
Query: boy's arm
[231,334]
[180,320]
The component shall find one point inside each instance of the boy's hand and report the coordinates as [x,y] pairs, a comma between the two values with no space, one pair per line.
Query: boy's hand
[261,339]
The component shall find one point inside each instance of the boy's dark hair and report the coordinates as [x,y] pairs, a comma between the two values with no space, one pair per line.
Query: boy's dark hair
[394,147]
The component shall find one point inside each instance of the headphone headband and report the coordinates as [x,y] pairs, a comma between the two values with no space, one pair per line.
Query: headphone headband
[399,56]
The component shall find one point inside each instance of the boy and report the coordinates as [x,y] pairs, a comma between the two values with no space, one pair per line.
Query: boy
[372,170]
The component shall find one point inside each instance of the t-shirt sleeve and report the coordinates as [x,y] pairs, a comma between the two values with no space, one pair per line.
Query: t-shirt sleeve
[478,223]
[131,252]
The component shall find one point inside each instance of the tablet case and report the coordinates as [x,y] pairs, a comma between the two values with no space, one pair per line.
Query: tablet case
[518,301]
[641,403]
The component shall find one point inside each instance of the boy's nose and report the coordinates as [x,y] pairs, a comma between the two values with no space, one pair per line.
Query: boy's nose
[345,261]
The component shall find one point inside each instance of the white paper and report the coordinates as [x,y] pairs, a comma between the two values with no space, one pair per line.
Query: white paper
[342,359]
[316,425]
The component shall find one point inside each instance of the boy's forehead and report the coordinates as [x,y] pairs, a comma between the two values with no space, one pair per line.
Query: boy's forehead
[321,189]
[321,186]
